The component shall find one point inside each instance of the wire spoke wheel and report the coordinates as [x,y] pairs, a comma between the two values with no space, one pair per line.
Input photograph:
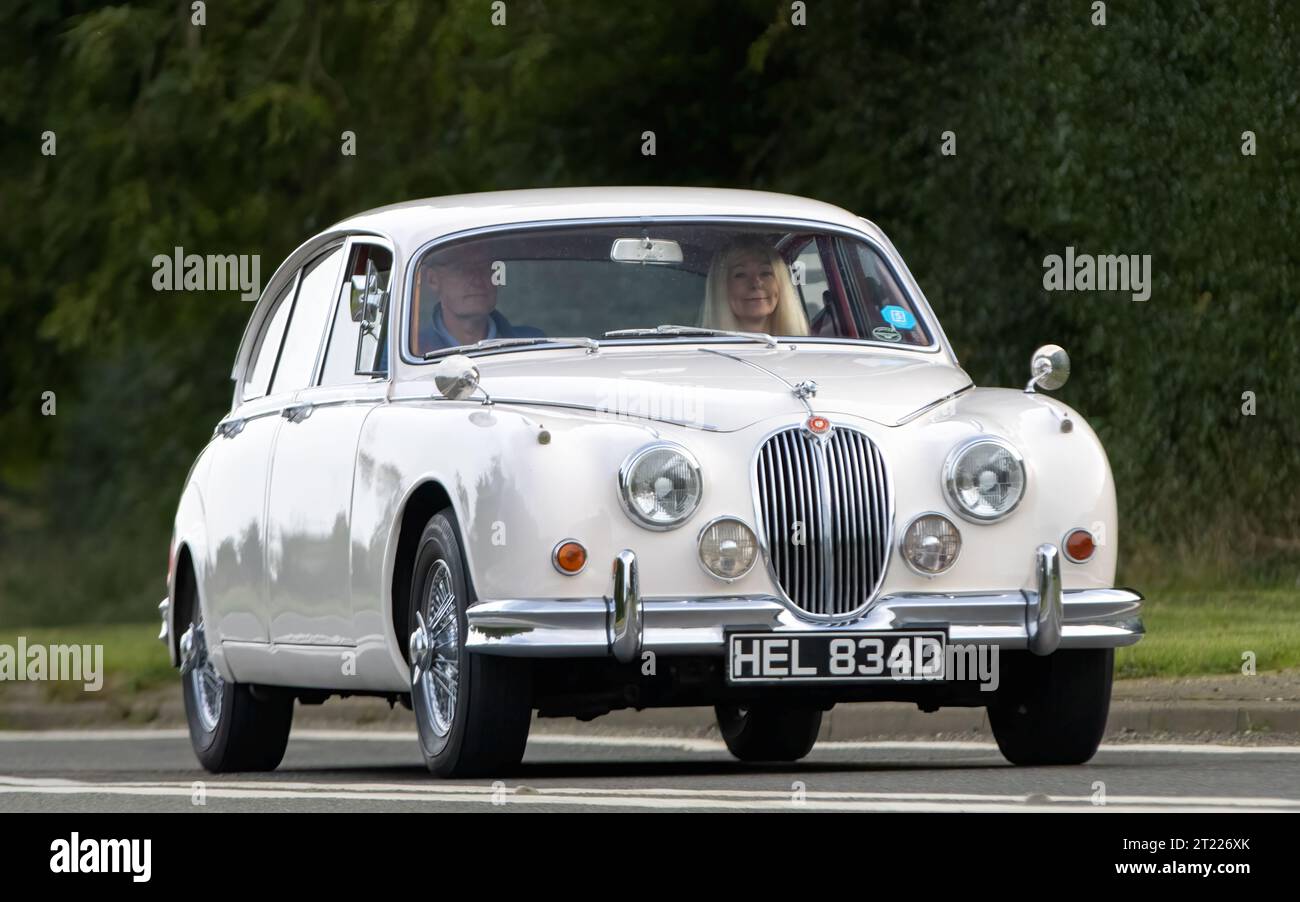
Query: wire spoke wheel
[435,651]
[472,710]
[206,684]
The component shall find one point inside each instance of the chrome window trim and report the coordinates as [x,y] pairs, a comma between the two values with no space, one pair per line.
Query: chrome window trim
[555,555]
[903,535]
[699,559]
[288,270]
[320,253]
[250,366]
[351,242]
[765,550]
[938,341]
[625,469]
[1065,550]
[323,339]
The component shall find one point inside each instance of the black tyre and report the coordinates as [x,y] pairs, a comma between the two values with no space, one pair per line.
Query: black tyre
[769,732]
[472,711]
[1052,709]
[233,727]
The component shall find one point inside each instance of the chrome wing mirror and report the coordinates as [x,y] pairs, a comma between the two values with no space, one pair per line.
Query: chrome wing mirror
[457,378]
[1049,368]
[367,300]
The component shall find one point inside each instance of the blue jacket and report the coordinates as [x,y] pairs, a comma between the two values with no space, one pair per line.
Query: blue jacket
[434,336]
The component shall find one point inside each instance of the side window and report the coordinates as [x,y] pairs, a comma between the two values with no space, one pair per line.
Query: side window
[357,336]
[263,360]
[889,313]
[311,310]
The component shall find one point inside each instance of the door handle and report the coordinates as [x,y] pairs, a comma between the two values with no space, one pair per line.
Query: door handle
[230,428]
[296,413]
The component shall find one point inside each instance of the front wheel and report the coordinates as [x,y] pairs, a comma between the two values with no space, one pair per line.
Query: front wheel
[1052,709]
[233,727]
[769,732]
[472,711]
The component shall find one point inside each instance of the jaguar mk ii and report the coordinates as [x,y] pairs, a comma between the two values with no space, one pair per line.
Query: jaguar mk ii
[570,451]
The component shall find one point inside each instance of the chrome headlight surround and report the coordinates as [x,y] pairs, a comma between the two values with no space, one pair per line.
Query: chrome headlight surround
[628,472]
[950,478]
[912,564]
[700,550]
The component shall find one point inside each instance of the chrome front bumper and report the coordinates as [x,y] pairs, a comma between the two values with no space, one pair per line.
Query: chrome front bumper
[623,624]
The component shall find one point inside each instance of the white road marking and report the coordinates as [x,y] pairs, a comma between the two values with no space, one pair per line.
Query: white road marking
[684,743]
[654,798]
[631,797]
[144,735]
[431,785]
[1181,748]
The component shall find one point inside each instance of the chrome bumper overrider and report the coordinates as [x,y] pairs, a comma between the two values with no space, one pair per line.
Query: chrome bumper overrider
[164,608]
[623,624]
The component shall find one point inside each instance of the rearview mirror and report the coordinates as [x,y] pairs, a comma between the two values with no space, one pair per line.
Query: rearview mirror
[645,250]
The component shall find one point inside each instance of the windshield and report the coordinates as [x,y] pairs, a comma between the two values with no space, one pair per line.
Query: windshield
[656,282]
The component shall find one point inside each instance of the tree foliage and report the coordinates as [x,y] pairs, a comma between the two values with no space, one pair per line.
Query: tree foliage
[225,138]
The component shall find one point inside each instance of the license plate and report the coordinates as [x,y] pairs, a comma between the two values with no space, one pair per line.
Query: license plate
[835,657]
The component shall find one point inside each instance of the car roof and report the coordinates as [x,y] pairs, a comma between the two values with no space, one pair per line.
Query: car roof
[414,222]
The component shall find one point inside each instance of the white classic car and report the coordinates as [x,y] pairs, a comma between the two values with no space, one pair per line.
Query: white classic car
[569,451]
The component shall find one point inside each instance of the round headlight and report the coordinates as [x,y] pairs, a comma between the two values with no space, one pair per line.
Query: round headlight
[930,544]
[985,479]
[728,548]
[660,485]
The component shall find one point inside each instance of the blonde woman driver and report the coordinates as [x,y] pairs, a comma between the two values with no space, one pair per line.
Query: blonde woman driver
[749,290]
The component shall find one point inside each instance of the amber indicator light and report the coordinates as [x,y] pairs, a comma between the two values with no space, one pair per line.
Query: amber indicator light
[570,557]
[1080,545]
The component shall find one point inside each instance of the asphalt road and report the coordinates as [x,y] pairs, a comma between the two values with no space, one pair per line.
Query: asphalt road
[330,770]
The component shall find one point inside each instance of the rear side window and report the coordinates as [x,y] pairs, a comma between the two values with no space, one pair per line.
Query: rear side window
[268,347]
[311,310]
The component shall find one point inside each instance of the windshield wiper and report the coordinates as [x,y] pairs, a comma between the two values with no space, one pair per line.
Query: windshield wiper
[489,344]
[692,330]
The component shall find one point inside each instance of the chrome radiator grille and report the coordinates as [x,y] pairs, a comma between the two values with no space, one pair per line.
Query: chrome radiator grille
[825,515]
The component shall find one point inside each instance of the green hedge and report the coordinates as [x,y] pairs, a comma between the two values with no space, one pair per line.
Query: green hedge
[225,138]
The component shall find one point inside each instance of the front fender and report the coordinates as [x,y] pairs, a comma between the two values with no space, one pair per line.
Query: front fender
[1068,485]
[190,534]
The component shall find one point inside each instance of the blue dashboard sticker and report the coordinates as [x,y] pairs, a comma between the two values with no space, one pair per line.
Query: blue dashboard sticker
[898,317]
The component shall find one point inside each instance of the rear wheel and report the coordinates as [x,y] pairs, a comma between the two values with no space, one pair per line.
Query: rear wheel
[233,727]
[1052,709]
[769,732]
[472,711]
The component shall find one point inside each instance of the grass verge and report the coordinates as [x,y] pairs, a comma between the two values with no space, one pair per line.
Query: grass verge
[1193,632]
[133,658]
